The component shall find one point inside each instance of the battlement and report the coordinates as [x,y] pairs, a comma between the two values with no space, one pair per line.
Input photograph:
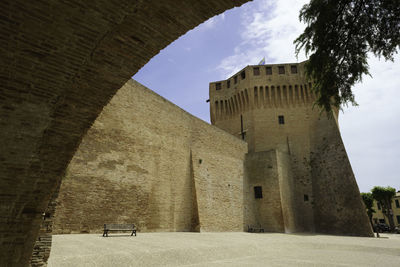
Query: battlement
[295,153]
[259,87]
[270,72]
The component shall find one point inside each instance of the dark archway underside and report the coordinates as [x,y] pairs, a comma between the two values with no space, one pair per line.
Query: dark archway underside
[62,61]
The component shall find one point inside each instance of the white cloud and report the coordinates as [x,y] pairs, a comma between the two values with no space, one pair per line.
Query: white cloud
[268,28]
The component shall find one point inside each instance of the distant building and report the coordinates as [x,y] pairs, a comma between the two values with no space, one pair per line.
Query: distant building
[378,216]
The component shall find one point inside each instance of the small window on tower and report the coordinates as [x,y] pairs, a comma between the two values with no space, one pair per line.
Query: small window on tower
[258,192]
[293,68]
[281,69]
[218,86]
[305,197]
[256,71]
[268,70]
[281,119]
[243,75]
[228,83]
[235,80]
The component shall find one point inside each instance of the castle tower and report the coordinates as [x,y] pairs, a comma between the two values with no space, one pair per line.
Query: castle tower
[298,176]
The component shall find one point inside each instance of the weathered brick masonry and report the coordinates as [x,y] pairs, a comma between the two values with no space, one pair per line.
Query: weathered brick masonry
[42,248]
[296,154]
[148,162]
[61,62]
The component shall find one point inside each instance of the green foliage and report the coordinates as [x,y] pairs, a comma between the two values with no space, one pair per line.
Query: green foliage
[337,38]
[369,203]
[368,200]
[383,194]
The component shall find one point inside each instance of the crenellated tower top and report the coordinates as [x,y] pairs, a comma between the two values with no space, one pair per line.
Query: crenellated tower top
[269,106]
[260,87]
[296,157]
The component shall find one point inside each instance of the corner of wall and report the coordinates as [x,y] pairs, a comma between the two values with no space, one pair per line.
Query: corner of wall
[338,206]
[286,185]
[262,170]
[195,220]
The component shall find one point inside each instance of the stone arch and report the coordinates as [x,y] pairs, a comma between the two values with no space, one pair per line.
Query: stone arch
[62,62]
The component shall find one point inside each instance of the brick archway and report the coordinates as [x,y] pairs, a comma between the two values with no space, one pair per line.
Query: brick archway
[61,63]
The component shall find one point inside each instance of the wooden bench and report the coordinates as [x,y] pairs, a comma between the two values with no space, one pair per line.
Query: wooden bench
[252,229]
[120,228]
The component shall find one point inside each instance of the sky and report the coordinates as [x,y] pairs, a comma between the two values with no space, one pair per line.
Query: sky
[242,36]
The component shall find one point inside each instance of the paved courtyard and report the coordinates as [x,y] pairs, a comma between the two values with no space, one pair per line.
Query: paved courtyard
[223,249]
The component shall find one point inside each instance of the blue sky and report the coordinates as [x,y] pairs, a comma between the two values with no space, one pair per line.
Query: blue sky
[242,36]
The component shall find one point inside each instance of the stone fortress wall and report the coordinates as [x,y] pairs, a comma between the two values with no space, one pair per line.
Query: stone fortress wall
[148,162]
[295,153]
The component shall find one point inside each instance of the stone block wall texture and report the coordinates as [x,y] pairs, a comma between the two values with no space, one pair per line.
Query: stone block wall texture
[262,170]
[62,61]
[148,162]
[277,210]
[337,205]
[290,212]
[313,167]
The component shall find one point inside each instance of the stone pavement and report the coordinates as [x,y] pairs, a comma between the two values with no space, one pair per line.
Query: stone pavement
[223,249]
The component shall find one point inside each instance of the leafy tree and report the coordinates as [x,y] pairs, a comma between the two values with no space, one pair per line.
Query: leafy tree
[369,203]
[384,196]
[338,36]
